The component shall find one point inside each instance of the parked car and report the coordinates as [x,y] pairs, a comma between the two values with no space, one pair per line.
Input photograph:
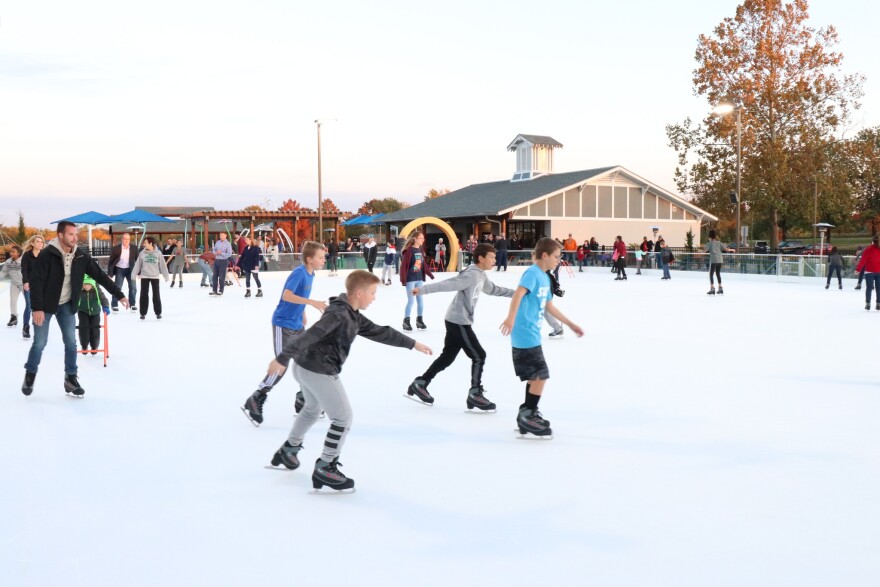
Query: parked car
[791,247]
[762,247]
[817,250]
[738,247]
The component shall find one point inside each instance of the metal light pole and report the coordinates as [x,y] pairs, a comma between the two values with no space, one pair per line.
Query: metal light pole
[318,123]
[726,108]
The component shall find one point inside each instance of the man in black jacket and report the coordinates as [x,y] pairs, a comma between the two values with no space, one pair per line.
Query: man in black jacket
[122,258]
[55,285]
[501,252]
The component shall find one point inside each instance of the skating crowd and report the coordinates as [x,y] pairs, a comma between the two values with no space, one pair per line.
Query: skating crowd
[60,281]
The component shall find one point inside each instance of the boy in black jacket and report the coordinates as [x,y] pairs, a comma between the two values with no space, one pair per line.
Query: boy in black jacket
[91,303]
[318,355]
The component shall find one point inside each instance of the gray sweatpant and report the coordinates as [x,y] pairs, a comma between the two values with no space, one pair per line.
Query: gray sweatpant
[553,322]
[322,392]
[14,292]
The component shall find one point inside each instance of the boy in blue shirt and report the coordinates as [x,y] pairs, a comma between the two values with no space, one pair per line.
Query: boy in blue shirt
[288,321]
[524,320]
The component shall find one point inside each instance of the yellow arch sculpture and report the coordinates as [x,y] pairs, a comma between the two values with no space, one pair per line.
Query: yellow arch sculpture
[447,230]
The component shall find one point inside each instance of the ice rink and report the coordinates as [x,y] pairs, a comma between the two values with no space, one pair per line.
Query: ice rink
[726,441]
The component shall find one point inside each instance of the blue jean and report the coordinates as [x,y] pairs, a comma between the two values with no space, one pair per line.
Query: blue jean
[66,317]
[872,281]
[27,307]
[120,276]
[410,285]
[207,274]
[666,270]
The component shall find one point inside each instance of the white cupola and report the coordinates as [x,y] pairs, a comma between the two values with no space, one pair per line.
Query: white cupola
[534,156]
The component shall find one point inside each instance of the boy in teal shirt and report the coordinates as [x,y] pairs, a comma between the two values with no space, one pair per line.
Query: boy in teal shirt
[524,320]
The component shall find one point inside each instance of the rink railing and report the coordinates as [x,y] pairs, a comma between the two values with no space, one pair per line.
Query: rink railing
[749,263]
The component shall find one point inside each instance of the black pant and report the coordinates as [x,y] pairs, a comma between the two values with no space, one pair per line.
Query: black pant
[621,266]
[831,271]
[459,337]
[247,278]
[501,259]
[218,280]
[89,330]
[715,269]
[370,265]
[146,285]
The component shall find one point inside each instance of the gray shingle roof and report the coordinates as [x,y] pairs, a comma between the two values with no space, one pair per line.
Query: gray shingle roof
[490,198]
[535,140]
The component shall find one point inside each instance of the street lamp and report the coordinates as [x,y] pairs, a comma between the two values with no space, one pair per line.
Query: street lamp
[723,109]
[318,123]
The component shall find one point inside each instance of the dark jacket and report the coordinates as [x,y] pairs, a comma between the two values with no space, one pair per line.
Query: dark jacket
[91,302]
[116,252]
[324,347]
[501,244]
[250,258]
[27,265]
[370,253]
[333,248]
[47,278]
[405,259]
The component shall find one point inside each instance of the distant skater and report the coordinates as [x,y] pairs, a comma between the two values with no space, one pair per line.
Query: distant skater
[716,248]
[870,263]
[413,270]
[620,251]
[835,265]
[390,258]
[149,267]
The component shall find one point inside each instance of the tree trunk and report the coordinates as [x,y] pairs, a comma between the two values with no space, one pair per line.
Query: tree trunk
[774,228]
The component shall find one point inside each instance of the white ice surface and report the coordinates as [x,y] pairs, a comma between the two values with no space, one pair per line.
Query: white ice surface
[721,441]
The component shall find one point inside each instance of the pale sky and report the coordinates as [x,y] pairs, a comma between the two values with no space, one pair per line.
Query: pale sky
[106,105]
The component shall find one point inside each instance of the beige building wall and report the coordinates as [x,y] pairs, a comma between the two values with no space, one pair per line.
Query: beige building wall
[632,231]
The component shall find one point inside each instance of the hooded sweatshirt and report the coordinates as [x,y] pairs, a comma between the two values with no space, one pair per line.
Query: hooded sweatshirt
[324,347]
[150,265]
[12,268]
[469,283]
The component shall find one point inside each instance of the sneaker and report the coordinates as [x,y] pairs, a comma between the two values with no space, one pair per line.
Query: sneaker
[286,455]
[253,407]
[418,390]
[557,333]
[71,385]
[329,474]
[406,325]
[28,386]
[531,422]
[420,324]
[476,399]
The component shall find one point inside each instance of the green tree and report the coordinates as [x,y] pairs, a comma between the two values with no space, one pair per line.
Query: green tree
[865,175]
[792,98]
[22,229]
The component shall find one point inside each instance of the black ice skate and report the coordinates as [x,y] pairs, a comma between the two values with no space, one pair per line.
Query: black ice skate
[72,386]
[420,324]
[557,333]
[720,291]
[476,399]
[13,321]
[28,386]
[328,474]
[259,293]
[286,455]
[554,285]
[247,293]
[532,424]
[253,407]
[418,392]
[26,331]
[711,292]
[407,327]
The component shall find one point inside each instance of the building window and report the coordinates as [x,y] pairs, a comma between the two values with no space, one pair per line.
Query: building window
[525,232]
[620,202]
[588,201]
[572,204]
[604,201]
[554,206]
[664,208]
[635,203]
[538,208]
[650,206]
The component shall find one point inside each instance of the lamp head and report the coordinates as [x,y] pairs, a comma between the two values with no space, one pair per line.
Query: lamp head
[723,108]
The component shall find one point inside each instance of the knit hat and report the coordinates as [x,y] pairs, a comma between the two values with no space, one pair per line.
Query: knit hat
[89,281]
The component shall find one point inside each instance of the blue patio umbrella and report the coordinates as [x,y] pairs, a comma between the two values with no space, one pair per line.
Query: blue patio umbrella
[353,221]
[141,217]
[86,218]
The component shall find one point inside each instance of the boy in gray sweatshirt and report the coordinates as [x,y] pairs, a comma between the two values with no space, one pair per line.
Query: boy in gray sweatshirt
[12,268]
[459,333]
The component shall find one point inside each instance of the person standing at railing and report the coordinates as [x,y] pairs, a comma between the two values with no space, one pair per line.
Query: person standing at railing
[594,250]
[665,257]
[501,246]
[222,252]
[333,252]
[835,265]
[620,252]
[716,248]
[870,263]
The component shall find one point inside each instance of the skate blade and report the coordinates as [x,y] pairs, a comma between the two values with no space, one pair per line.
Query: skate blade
[248,416]
[417,400]
[530,436]
[72,396]
[279,468]
[328,491]
[478,411]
